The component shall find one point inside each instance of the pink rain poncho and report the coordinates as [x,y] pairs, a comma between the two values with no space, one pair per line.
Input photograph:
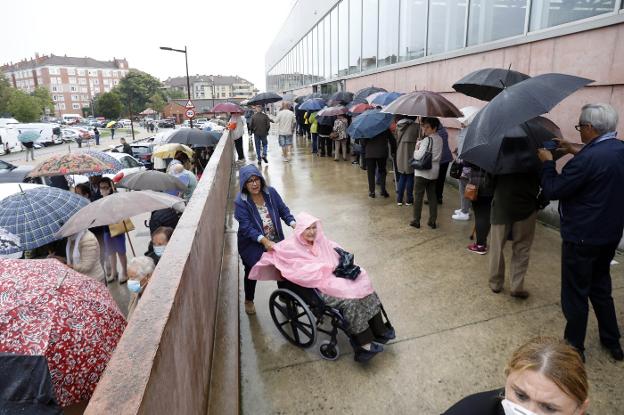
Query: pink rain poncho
[310,265]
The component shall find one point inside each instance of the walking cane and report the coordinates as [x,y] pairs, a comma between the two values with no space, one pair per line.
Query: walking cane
[129,240]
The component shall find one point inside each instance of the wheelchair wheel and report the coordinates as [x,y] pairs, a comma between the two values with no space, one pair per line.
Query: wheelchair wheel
[329,351]
[293,318]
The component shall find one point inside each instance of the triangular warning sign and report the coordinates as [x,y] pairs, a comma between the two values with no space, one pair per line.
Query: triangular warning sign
[189,104]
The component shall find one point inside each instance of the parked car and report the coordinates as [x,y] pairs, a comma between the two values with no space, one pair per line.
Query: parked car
[166,123]
[143,153]
[10,173]
[123,123]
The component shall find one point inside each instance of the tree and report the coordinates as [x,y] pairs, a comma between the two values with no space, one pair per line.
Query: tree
[172,93]
[5,89]
[136,90]
[42,95]
[108,105]
[157,103]
[23,107]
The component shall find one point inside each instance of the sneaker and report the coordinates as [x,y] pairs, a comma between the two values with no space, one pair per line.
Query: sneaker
[522,294]
[457,211]
[399,204]
[409,204]
[250,309]
[461,216]
[123,278]
[110,277]
[264,158]
[477,249]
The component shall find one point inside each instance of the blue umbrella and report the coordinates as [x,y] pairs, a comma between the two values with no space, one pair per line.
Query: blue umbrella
[36,215]
[313,104]
[106,158]
[29,136]
[386,98]
[369,124]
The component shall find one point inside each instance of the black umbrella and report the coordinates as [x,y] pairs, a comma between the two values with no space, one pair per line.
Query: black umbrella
[341,98]
[365,92]
[300,99]
[264,98]
[485,84]
[26,386]
[195,137]
[514,106]
[325,120]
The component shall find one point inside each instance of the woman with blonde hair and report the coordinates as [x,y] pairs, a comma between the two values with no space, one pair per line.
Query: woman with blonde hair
[544,376]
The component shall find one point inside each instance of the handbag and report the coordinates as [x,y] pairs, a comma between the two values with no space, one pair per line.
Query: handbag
[346,268]
[117,229]
[456,169]
[426,161]
[471,192]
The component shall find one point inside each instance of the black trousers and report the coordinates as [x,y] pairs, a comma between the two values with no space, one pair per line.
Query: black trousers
[325,145]
[250,285]
[373,165]
[238,143]
[482,207]
[585,275]
[441,180]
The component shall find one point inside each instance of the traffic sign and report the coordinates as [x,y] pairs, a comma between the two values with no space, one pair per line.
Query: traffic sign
[189,104]
[190,113]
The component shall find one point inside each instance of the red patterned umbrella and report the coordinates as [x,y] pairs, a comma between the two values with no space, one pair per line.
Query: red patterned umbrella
[227,107]
[360,108]
[48,309]
[72,163]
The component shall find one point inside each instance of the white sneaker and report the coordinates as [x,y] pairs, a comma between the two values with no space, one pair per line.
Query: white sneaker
[461,216]
[399,204]
[457,211]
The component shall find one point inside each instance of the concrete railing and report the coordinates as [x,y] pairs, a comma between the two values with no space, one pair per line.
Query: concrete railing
[163,363]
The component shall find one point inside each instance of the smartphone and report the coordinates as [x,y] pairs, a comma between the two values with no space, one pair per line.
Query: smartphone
[550,145]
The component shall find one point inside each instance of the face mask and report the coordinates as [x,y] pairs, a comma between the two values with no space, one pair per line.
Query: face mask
[158,250]
[134,286]
[515,409]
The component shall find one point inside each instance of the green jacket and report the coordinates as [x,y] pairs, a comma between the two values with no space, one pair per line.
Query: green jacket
[313,123]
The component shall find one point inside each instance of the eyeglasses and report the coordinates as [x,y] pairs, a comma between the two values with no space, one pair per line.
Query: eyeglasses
[254,180]
[578,127]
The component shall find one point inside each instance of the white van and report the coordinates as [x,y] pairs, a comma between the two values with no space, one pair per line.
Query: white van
[71,118]
[9,139]
[45,129]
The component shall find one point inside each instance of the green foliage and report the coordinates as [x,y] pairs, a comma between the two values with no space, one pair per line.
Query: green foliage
[175,94]
[136,90]
[42,95]
[23,107]
[5,88]
[157,102]
[108,105]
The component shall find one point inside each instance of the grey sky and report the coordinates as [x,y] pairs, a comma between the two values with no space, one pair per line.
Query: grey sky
[226,37]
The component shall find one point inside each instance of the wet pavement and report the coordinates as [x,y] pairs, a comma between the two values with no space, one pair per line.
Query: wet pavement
[453,334]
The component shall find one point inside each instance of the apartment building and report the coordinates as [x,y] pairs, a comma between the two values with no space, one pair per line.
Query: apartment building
[72,82]
[213,86]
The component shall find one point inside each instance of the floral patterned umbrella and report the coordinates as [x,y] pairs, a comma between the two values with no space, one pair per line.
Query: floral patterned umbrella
[72,163]
[50,310]
[8,242]
[106,158]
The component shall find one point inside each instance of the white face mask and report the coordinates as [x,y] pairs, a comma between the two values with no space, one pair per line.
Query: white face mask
[515,409]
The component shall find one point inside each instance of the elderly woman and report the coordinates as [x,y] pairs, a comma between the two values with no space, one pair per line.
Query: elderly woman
[140,271]
[425,180]
[407,133]
[544,376]
[160,239]
[308,259]
[258,210]
[83,255]
[340,141]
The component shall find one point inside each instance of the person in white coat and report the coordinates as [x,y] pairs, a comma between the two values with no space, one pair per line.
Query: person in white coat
[425,180]
[286,123]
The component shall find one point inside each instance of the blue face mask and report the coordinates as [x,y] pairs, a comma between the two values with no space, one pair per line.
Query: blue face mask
[158,250]
[134,286]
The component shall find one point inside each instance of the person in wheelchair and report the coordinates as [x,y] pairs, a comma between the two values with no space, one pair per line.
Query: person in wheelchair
[308,259]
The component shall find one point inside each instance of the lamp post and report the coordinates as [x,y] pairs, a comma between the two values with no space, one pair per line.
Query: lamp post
[188,80]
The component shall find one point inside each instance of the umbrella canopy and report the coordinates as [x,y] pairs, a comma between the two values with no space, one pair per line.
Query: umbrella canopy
[151,180]
[29,136]
[195,137]
[424,104]
[316,95]
[486,83]
[8,189]
[341,98]
[374,95]
[168,151]
[325,120]
[9,243]
[147,111]
[72,163]
[289,97]
[385,98]
[469,114]
[313,104]
[264,98]
[369,124]
[300,99]
[51,310]
[111,124]
[332,111]
[115,165]
[512,107]
[36,215]
[228,107]
[364,93]
[360,108]
[117,207]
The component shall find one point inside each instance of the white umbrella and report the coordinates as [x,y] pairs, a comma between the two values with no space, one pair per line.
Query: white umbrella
[469,114]
[8,189]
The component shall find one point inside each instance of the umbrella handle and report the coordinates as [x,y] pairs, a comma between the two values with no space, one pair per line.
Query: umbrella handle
[60,282]
[129,240]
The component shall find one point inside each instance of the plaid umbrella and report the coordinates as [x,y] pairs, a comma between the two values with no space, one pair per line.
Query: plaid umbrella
[29,136]
[106,158]
[73,163]
[9,243]
[36,215]
[51,310]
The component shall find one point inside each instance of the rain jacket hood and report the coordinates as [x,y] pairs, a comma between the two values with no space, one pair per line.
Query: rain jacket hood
[246,173]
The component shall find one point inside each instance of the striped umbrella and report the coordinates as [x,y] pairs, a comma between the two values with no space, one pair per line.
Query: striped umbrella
[106,158]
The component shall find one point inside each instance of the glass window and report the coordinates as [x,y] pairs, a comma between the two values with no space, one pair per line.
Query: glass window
[548,13]
[447,21]
[495,19]
[388,33]
[369,34]
[327,48]
[335,47]
[321,50]
[343,38]
[412,29]
[304,52]
[355,35]
[314,56]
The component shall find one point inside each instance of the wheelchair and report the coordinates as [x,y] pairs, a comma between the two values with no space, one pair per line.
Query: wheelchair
[300,314]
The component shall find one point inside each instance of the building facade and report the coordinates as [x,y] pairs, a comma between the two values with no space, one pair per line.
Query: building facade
[72,82]
[403,45]
[213,86]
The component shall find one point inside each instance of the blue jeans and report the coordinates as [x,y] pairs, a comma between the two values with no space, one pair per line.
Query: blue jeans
[260,139]
[314,143]
[406,185]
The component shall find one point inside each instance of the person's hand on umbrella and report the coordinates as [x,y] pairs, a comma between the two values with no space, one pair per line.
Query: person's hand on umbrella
[544,155]
[567,147]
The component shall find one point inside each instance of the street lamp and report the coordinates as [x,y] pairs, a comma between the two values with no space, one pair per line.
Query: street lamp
[188,80]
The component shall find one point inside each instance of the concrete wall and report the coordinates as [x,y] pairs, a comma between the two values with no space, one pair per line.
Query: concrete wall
[163,362]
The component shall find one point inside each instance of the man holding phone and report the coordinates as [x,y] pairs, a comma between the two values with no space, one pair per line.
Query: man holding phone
[591,206]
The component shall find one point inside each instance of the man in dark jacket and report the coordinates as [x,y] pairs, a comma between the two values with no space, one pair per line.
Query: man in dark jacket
[376,155]
[126,147]
[591,202]
[259,127]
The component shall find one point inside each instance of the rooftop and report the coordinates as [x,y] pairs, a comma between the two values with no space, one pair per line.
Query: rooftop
[180,81]
[56,60]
